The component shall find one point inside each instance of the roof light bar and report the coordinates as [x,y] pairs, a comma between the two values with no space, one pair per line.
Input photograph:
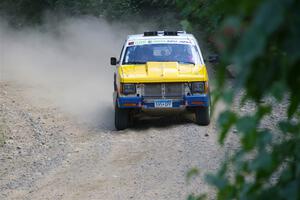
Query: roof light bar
[170,33]
[164,33]
[150,33]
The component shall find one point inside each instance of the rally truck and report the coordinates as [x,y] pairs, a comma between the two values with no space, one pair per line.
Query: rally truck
[160,70]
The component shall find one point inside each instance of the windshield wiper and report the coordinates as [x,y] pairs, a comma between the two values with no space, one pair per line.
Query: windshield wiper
[186,62]
[135,63]
[180,62]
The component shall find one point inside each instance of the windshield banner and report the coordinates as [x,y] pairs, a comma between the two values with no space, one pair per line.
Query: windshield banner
[157,41]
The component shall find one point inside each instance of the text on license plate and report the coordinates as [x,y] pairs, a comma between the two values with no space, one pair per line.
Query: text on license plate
[163,103]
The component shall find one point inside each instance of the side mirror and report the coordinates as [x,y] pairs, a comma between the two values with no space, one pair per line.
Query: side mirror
[213,58]
[113,61]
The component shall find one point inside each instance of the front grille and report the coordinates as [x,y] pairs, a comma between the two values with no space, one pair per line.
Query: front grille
[174,90]
[152,90]
[163,90]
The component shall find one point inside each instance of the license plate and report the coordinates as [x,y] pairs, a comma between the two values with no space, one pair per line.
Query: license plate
[163,103]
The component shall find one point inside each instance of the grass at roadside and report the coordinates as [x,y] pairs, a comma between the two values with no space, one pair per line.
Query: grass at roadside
[2,133]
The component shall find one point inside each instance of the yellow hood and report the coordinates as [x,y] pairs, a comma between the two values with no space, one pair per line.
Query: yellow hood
[153,72]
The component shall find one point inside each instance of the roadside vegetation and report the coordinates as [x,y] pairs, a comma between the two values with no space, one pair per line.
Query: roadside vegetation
[261,40]
[2,133]
[1,137]
[30,12]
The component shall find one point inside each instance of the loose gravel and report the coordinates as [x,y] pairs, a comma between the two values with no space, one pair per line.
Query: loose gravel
[50,155]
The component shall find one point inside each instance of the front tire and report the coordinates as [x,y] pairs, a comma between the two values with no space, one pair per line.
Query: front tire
[203,115]
[121,118]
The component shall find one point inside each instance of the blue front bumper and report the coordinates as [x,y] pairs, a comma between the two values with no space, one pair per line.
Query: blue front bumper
[186,101]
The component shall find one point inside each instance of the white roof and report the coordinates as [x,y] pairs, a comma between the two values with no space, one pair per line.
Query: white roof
[179,36]
[140,39]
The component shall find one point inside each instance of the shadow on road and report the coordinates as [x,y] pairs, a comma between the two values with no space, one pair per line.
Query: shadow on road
[147,122]
[103,120]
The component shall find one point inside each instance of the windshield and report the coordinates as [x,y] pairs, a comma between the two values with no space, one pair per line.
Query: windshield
[181,53]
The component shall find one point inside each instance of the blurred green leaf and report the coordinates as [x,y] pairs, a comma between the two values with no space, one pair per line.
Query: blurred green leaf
[191,173]
[293,105]
[288,127]
[265,138]
[263,110]
[262,162]
[218,182]
[225,121]
[261,39]
[228,96]
[246,124]
[193,197]
[277,90]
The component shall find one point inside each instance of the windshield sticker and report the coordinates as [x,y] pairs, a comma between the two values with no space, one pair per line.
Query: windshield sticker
[158,41]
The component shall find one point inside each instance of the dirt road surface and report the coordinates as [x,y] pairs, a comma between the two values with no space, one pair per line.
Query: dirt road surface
[50,155]
[57,139]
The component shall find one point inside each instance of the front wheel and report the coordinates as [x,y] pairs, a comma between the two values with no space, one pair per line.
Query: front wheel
[121,118]
[203,115]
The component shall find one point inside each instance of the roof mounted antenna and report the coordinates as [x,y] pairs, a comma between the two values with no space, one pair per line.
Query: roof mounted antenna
[164,33]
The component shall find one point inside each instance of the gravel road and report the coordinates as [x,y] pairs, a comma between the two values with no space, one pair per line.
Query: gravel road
[56,116]
[50,155]
[57,139]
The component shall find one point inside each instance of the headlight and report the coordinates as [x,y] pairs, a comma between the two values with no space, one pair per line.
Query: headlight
[129,89]
[198,87]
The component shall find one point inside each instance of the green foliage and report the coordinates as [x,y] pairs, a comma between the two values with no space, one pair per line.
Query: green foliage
[2,140]
[192,172]
[2,135]
[32,11]
[261,39]
[200,17]
[196,197]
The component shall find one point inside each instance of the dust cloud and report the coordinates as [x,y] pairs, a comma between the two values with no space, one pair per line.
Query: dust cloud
[65,63]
